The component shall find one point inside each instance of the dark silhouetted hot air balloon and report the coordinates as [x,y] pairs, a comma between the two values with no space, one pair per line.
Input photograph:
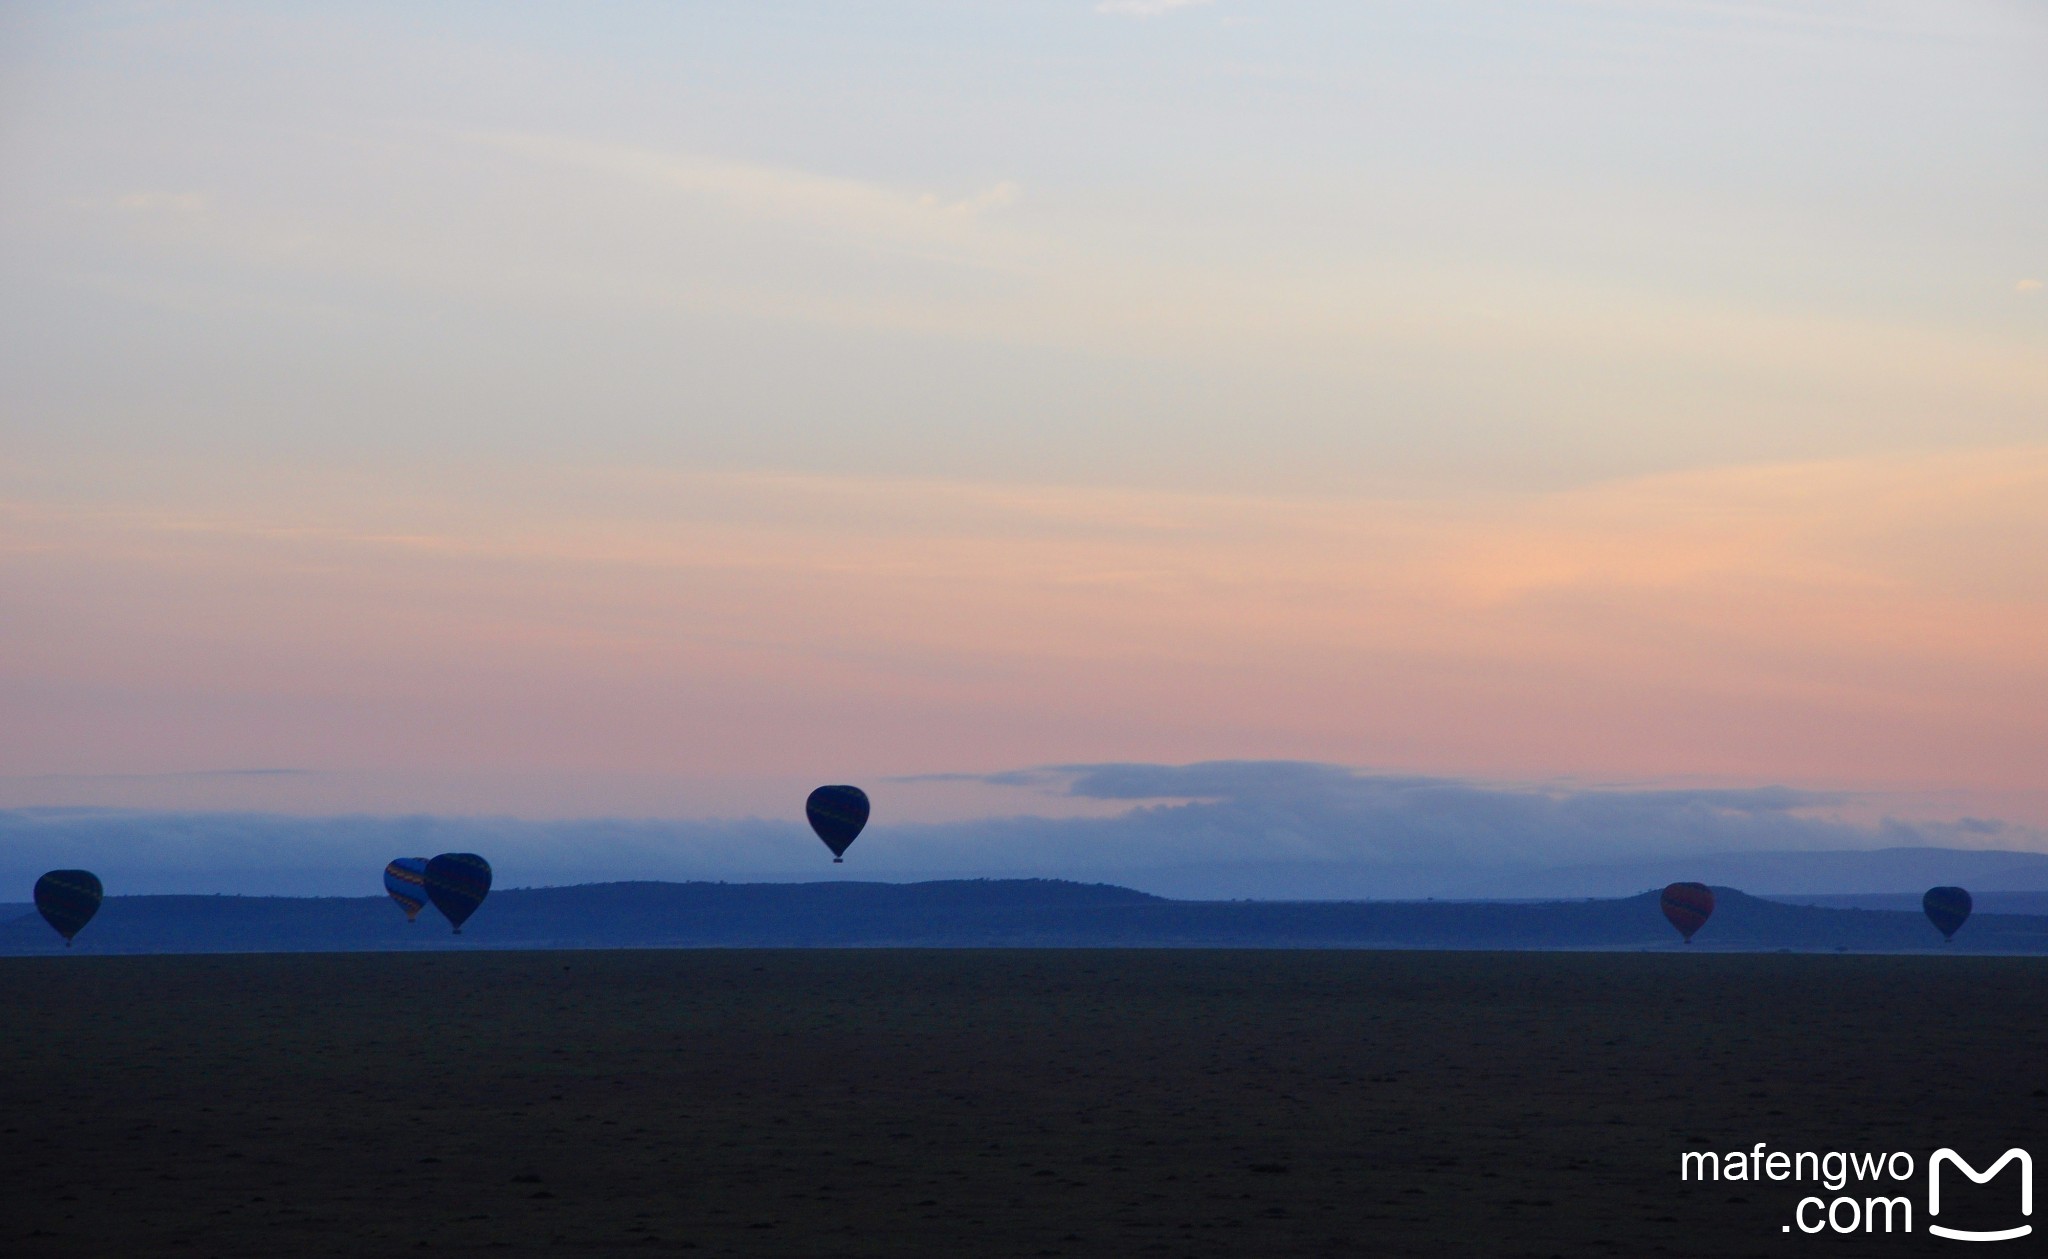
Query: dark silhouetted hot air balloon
[837,814]
[1688,906]
[1948,908]
[67,900]
[406,879]
[457,883]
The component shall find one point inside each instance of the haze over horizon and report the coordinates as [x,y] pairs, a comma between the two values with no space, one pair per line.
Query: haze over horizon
[485,412]
[1223,830]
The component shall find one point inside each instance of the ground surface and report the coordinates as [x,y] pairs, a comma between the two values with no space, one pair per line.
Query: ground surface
[982,1103]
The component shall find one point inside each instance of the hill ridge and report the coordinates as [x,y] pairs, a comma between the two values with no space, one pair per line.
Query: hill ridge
[983,913]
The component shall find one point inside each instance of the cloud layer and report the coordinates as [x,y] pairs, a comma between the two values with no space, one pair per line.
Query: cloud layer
[1144,8]
[464,407]
[1220,830]
[1856,622]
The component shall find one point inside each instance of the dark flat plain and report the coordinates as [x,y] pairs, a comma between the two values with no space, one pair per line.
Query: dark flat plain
[967,1102]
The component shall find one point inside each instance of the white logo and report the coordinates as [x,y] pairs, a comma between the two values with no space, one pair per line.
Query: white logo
[1965,1235]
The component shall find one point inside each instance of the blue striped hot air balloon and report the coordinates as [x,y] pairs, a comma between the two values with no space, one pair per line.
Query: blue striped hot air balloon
[406,879]
[67,900]
[837,814]
[457,883]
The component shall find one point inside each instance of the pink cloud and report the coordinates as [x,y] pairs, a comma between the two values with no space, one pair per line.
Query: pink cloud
[1870,622]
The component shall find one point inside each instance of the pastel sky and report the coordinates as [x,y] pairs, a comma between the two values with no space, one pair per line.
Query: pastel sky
[653,410]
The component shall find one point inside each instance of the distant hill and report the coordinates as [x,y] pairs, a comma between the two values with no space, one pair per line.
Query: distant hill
[1909,902]
[1768,873]
[982,914]
[1834,872]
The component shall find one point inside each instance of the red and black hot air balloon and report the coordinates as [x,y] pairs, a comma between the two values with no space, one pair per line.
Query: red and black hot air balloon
[1688,906]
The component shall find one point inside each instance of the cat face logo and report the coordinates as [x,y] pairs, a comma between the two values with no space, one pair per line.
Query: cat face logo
[1941,1156]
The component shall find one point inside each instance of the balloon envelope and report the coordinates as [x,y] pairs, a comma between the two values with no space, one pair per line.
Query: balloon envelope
[457,883]
[1688,906]
[406,879]
[1948,908]
[837,813]
[67,900]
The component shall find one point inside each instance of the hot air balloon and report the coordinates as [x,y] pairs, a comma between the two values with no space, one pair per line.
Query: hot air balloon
[1948,908]
[457,883]
[406,879]
[837,814]
[1688,906]
[67,900]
